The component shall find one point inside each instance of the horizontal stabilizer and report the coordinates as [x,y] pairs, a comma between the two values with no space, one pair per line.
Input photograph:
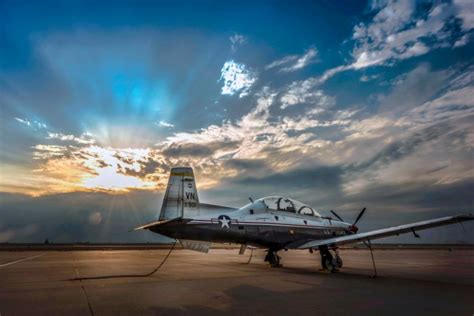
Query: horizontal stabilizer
[157,223]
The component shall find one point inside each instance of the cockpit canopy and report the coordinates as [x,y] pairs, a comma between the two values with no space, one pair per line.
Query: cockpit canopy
[279,203]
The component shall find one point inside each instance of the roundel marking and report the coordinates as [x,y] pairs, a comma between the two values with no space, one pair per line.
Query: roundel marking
[224,220]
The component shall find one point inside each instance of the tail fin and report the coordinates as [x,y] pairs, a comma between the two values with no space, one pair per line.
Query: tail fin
[181,198]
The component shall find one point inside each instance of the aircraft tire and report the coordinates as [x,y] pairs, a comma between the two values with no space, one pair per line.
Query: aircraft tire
[274,260]
[331,264]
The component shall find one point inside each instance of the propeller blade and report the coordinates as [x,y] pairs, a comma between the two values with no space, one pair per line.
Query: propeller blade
[359,216]
[335,214]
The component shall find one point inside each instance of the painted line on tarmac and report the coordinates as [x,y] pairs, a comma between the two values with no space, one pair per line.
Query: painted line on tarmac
[20,260]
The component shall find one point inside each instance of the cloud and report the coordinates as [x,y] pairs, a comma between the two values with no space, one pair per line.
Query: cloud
[266,141]
[48,151]
[404,29]
[304,92]
[23,121]
[294,62]
[421,135]
[236,41]
[35,123]
[434,155]
[91,167]
[280,62]
[452,104]
[397,150]
[401,30]
[85,138]
[462,41]
[281,142]
[164,124]
[465,11]
[366,78]
[236,78]
[413,88]
[152,168]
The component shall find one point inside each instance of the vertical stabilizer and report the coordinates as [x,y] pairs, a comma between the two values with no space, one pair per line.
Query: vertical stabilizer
[181,198]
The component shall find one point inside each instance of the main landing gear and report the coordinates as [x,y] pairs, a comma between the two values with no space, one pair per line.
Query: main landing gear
[328,261]
[273,258]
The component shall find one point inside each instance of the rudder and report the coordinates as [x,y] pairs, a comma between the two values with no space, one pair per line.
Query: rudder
[181,197]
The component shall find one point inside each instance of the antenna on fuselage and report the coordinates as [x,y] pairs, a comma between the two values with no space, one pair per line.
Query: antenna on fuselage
[251,200]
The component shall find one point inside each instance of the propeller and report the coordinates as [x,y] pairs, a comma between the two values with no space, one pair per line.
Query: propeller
[352,228]
[359,216]
[335,214]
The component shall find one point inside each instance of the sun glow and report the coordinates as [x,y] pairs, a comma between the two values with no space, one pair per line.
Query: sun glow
[91,168]
[110,167]
[109,179]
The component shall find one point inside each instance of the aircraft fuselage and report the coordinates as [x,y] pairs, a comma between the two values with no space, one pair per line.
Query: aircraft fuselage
[272,229]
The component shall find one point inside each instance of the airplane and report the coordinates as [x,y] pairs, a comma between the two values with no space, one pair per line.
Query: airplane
[273,223]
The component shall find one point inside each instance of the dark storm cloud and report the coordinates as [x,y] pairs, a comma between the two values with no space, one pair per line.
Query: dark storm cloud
[441,198]
[188,150]
[327,177]
[197,150]
[391,205]
[406,146]
[78,217]
[245,165]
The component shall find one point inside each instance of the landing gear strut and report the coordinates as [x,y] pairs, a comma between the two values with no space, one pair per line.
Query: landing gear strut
[273,258]
[328,261]
[338,258]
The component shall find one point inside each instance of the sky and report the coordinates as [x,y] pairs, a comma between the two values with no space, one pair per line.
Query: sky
[339,104]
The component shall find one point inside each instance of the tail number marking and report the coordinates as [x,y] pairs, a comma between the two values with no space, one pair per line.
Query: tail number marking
[190,196]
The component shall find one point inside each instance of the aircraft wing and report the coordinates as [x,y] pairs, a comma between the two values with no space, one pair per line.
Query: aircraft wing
[385,232]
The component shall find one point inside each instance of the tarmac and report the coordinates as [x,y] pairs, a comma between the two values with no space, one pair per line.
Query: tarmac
[409,282]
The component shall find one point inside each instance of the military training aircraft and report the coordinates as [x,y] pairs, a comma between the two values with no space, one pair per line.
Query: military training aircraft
[274,223]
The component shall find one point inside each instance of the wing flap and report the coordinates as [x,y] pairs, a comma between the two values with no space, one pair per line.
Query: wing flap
[385,232]
[196,245]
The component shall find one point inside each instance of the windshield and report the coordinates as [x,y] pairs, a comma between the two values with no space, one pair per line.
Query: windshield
[279,203]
